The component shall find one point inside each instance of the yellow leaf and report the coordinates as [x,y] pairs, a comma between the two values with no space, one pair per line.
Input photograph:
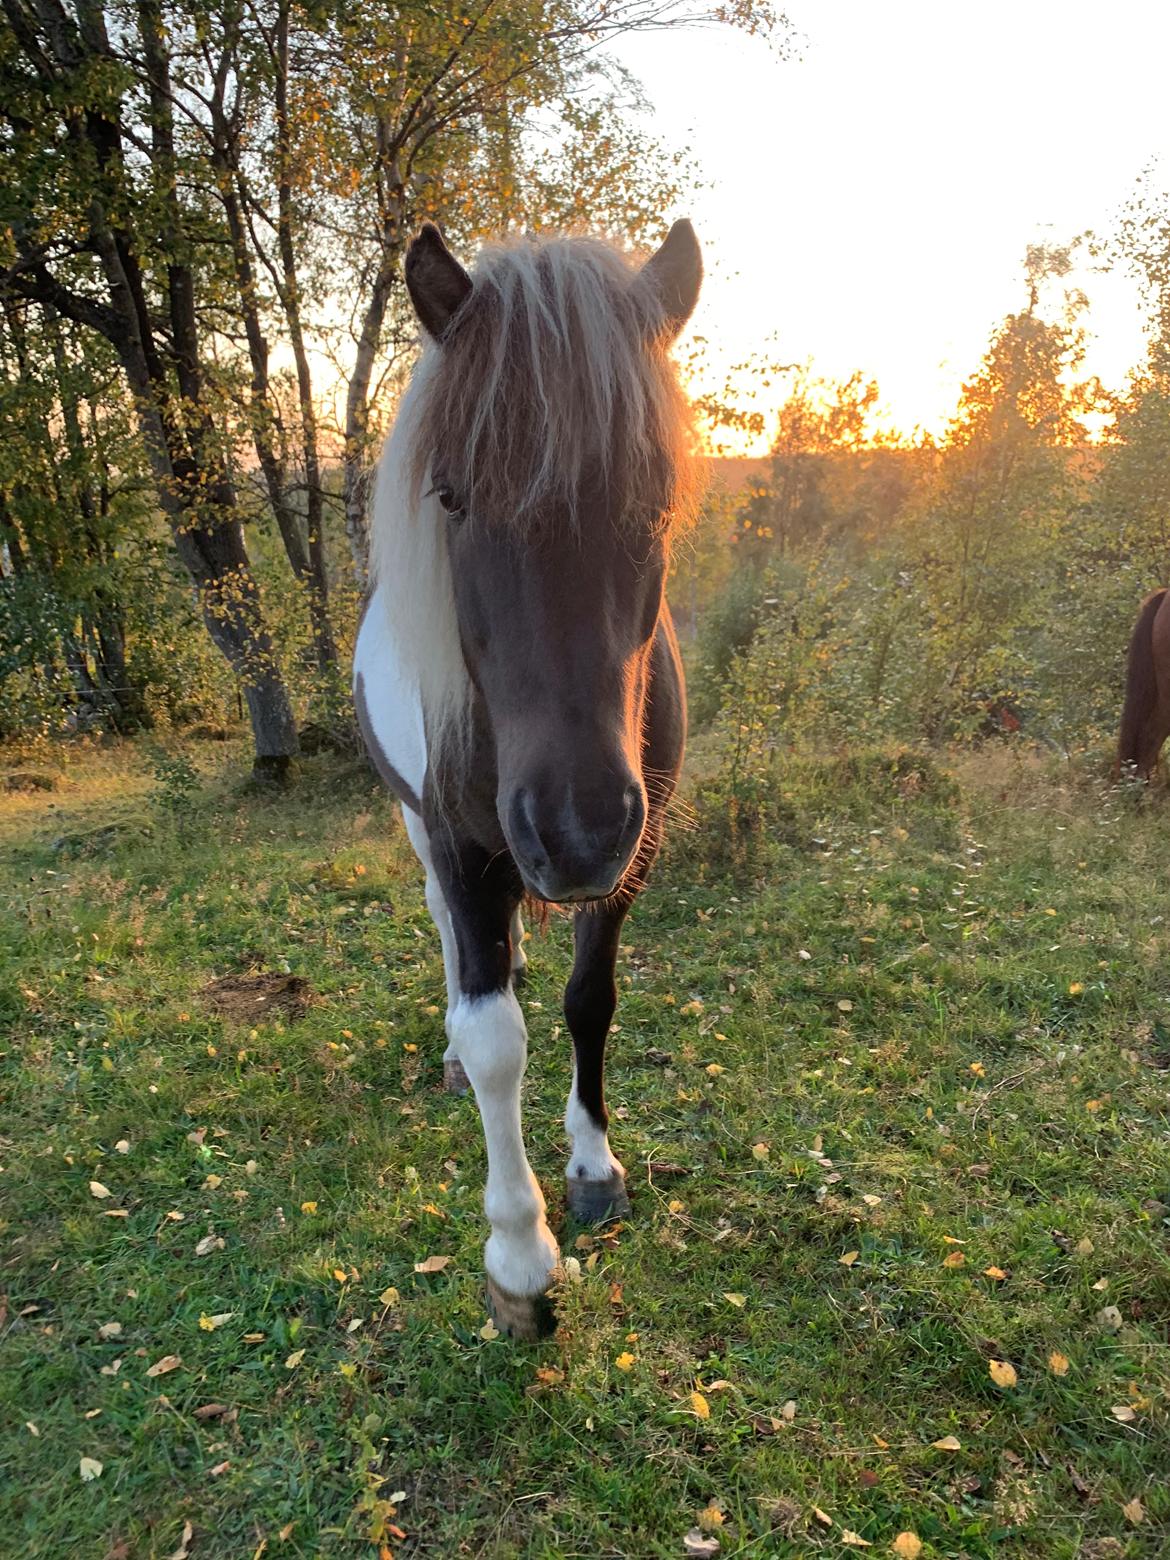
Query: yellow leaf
[110,1330]
[431,1265]
[849,1258]
[340,1275]
[674,1206]
[625,1361]
[489,1330]
[954,1259]
[1133,1511]
[308,1207]
[389,1296]
[294,1359]
[1076,988]
[822,1516]
[122,1146]
[164,1366]
[949,1443]
[702,1409]
[210,1323]
[1084,1247]
[760,1150]
[979,1070]
[1003,1374]
[1123,1413]
[254,1337]
[855,1539]
[710,1517]
[212,1182]
[1058,1364]
[89,1469]
[845,1006]
[713,1069]
[907,1546]
[98,1190]
[739,1301]
[995,1272]
[550,1375]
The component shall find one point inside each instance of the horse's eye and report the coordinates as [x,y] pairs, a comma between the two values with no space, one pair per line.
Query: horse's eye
[447,497]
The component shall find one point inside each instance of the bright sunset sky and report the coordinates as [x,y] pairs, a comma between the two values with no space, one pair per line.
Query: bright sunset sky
[871,199]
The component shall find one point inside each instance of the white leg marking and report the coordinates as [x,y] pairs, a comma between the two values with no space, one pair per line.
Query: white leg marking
[519,957]
[591,1158]
[488,1032]
[437,905]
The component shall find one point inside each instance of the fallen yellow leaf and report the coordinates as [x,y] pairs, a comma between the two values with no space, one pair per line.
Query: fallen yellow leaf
[389,1296]
[1058,1364]
[954,1259]
[907,1546]
[625,1361]
[948,1443]
[294,1359]
[308,1207]
[1133,1511]
[431,1265]
[854,1539]
[760,1150]
[737,1300]
[98,1190]
[164,1366]
[210,1323]
[849,1258]
[700,1406]
[995,1272]
[489,1330]
[1123,1413]
[1003,1374]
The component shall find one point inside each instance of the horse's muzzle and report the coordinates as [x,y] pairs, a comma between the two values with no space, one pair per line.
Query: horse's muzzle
[577,848]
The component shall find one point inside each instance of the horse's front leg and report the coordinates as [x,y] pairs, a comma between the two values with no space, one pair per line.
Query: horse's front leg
[595,1179]
[487,1033]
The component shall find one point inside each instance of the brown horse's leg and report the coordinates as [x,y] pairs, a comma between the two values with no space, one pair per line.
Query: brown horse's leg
[1157,726]
[595,1180]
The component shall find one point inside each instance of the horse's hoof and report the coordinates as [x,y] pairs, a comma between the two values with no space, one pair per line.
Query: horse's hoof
[598,1202]
[526,1318]
[455,1080]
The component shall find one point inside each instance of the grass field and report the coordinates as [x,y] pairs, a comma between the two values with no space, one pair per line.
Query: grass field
[895,1112]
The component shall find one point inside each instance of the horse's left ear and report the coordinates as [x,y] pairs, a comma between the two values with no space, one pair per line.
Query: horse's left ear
[674,273]
[435,280]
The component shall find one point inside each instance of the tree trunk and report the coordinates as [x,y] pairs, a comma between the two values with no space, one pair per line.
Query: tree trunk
[357,400]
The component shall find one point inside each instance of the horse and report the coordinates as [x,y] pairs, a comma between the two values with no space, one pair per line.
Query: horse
[517,678]
[1145,718]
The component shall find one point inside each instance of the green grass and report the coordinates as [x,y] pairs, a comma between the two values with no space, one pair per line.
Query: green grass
[997,1088]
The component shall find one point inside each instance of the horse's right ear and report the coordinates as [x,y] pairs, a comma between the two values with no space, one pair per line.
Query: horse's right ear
[435,280]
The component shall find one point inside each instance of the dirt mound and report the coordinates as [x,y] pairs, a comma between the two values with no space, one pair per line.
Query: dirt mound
[244,999]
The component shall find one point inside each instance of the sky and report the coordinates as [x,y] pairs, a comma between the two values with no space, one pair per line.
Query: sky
[868,202]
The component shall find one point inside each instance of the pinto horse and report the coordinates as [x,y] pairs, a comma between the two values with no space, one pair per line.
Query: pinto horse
[1145,718]
[517,677]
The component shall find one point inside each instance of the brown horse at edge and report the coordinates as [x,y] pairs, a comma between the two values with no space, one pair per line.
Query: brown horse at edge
[1145,717]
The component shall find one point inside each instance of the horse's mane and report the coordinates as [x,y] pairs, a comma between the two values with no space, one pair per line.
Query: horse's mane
[554,382]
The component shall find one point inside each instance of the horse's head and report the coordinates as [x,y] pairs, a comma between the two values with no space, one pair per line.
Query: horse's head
[553,445]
